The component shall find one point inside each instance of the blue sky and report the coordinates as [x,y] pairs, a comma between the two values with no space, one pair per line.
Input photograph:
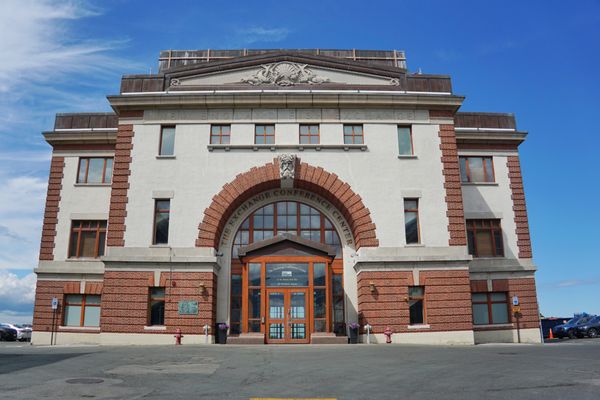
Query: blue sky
[538,59]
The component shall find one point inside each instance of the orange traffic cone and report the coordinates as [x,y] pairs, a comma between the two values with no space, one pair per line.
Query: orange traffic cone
[551,334]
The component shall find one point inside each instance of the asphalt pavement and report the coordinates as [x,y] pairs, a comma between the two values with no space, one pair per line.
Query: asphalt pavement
[569,369]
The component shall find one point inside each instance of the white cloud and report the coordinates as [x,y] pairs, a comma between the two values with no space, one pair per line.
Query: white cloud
[15,290]
[21,214]
[262,34]
[16,297]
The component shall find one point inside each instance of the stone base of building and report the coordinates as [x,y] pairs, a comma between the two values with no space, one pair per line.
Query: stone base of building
[433,338]
[116,339]
[530,335]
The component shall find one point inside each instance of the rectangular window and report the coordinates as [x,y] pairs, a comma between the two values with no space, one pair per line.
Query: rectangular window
[353,134]
[485,238]
[162,209]
[254,303]
[411,220]
[82,310]
[337,288]
[416,304]
[220,134]
[88,239]
[167,141]
[405,145]
[236,304]
[95,170]
[156,306]
[476,169]
[320,296]
[490,308]
[264,134]
[309,134]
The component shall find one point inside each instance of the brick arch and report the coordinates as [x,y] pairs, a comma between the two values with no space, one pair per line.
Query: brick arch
[314,179]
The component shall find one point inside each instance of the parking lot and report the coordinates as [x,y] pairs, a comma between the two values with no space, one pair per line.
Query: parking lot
[558,370]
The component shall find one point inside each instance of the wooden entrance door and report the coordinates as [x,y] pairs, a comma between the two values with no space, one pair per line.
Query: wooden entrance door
[287,315]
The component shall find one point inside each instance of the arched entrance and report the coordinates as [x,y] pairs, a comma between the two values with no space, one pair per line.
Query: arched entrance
[287,275]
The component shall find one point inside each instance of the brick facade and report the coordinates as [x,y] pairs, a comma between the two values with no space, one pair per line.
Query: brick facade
[453,186]
[524,289]
[125,301]
[120,186]
[57,165]
[447,300]
[307,177]
[519,207]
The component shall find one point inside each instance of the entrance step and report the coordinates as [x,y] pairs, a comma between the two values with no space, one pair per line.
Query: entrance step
[247,338]
[326,338]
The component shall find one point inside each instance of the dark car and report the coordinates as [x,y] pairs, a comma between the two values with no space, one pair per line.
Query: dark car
[569,329]
[8,334]
[590,328]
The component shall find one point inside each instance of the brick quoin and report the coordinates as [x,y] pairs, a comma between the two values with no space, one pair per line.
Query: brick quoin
[55,178]
[307,177]
[519,207]
[447,300]
[120,184]
[451,172]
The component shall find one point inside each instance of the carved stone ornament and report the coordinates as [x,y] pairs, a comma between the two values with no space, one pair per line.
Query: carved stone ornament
[395,82]
[175,82]
[284,74]
[287,166]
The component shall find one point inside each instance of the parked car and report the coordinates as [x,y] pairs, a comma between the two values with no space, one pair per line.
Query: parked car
[569,329]
[549,323]
[8,334]
[22,333]
[590,328]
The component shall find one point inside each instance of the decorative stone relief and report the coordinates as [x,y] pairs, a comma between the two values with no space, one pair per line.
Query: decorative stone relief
[284,74]
[395,82]
[287,166]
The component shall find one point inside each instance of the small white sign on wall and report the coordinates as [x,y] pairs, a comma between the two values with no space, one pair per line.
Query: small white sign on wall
[515,301]
[54,303]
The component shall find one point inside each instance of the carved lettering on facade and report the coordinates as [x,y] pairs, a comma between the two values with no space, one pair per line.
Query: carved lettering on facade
[285,195]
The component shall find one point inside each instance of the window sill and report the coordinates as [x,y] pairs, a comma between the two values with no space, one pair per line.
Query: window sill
[408,156]
[155,328]
[491,327]
[92,184]
[79,328]
[274,147]
[415,245]
[78,259]
[159,246]
[488,258]
[165,157]
[417,327]
[479,183]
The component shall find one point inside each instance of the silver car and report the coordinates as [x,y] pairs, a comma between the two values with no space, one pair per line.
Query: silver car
[23,333]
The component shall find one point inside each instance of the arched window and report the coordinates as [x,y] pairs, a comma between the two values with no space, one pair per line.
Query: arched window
[286,217]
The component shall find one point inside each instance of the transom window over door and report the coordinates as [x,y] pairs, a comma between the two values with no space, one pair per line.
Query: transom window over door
[289,217]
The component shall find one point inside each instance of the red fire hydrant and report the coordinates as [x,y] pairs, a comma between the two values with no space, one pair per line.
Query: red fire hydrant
[178,337]
[388,334]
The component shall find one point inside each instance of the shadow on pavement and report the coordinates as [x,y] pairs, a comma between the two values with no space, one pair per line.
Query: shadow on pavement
[15,362]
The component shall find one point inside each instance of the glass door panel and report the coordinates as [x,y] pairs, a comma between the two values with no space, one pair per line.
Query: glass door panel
[276,328]
[297,323]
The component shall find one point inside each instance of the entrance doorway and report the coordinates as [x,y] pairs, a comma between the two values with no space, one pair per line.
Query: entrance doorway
[287,316]
[290,290]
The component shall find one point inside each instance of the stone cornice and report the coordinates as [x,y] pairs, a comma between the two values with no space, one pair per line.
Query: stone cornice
[79,136]
[279,99]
